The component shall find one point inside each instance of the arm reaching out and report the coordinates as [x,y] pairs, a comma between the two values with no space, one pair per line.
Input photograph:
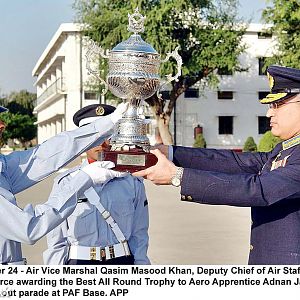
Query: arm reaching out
[161,173]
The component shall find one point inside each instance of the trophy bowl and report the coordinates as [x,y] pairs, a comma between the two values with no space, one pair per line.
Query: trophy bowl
[133,75]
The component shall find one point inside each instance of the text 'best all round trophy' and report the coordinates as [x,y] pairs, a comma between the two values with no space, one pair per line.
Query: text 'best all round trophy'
[133,75]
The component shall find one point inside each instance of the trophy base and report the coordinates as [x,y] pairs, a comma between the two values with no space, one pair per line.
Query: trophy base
[130,161]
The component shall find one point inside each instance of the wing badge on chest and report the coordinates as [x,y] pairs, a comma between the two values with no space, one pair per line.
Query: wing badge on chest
[279,163]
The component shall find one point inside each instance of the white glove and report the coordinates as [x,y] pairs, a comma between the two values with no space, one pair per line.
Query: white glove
[100,172]
[119,111]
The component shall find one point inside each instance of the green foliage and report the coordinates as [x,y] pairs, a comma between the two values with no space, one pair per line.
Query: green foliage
[268,142]
[250,145]
[19,102]
[19,127]
[205,31]
[199,141]
[19,120]
[285,18]
[3,101]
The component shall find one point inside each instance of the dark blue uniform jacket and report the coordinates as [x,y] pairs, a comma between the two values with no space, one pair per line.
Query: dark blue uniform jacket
[248,179]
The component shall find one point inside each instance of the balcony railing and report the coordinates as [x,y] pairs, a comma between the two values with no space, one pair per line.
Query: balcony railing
[57,87]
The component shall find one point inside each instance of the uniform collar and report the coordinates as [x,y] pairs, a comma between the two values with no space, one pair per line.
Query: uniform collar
[90,160]
[291,142]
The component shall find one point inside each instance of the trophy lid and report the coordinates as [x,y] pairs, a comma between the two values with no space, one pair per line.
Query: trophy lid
[135,43]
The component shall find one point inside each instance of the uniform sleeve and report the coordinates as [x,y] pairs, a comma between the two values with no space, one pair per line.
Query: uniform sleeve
[28,227]
[219,160]
[139,239]
[242,189]
[58,246]
[25,168]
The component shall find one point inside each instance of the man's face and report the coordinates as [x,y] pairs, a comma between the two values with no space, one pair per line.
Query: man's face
[285,119]
[94,152]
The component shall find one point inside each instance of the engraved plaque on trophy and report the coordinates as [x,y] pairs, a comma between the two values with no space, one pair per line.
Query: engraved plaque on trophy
[133,75]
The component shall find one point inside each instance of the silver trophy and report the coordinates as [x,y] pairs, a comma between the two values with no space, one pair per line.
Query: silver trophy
[133,75]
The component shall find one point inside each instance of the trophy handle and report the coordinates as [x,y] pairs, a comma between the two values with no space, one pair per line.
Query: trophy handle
[170,78]
[93,49]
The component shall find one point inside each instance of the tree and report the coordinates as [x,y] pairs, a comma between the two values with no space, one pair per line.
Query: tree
[3,101]
[20,119]
[268,142]
[21,102]
[285,19]
[205,31]
[199,141]
[19,127]
[250,145]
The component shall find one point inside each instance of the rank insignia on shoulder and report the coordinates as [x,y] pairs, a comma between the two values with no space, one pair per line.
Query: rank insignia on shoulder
[279,163]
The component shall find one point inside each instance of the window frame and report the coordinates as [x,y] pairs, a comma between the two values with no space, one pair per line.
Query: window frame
[225,95]
[225,130]
[266,120]
[85,93]
[191,90]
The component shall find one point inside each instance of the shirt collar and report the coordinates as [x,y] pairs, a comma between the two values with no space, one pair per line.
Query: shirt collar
[294,141]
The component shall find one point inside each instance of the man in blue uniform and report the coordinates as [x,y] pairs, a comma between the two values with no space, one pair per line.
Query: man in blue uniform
[22,169]
[267,182]
[110,222]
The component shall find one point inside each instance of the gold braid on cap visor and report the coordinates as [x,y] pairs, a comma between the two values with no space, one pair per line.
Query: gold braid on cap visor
[273,97]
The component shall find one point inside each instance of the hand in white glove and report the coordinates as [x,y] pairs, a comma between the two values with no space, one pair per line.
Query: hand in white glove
[100,172]
[119,111]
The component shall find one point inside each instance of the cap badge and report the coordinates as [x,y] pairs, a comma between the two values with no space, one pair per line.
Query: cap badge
[271,80]
[100,111]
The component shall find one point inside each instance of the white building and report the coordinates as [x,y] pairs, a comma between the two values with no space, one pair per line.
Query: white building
[61,82]
[228,115]
[231,113]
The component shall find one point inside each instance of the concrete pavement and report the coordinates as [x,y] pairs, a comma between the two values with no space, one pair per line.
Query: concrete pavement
[180,232]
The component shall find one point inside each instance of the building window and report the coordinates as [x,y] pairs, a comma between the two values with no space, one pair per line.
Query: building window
[264,35]
[90,96]
[226,125]
[263,125]
[224,71]
[165,95]
[225,95]
[191,93]
[262,95]
[261,65]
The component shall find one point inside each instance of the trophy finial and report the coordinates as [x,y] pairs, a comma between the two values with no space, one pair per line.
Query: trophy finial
[136,22]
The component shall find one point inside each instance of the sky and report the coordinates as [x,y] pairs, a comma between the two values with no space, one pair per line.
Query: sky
[27,26]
